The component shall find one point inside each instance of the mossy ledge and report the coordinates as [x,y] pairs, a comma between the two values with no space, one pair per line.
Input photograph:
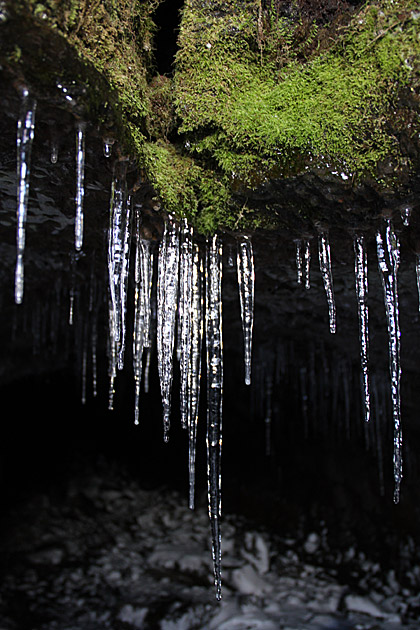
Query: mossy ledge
[256,94]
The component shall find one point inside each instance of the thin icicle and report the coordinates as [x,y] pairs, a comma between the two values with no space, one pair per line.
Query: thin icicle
[94,358]
[246,282]
[54,153]
[168,271]
[214,347]
[389,258]
[143,282]
[184,317]
[84,363]
[194,370]
[299,262]
[418,276]
[147,371]
[24,140]
[325,267]
[307,267]
[124,281]
[360,270]
[80,188]
[107,147]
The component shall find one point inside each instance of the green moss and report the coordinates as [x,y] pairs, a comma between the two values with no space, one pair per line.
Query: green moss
[249,113]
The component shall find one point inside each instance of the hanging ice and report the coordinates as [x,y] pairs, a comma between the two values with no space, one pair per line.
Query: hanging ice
[389,259]
[360,270]
[184,317]
[299,262]
[118,260]
[307,258]
[143,285]
[325,267]
[194,371]
[107,147]
[80,189]
[418,276]
[167,304]
[246,281]
[214,346]
[406,215]
[24,140]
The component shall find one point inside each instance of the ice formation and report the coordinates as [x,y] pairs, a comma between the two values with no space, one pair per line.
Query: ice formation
[80,190]
[388,251]
[307,266]
[185,316]
[299,262]
[246,282]
[325,267]
[143,276]
[24,140]
[214,346]
[168,272]
[360,270]
[118,268]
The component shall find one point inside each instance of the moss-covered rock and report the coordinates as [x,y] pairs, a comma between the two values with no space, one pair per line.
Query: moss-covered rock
[262,89]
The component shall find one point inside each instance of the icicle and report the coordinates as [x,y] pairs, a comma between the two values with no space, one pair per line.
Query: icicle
[124,281]
[299,262]
[268,413]
[418,276]
[72,292]
[54,153]
[84,363]
[194,369]
[360,270]
[143,282]
[389,259]
[406,215]
[80,190]
[107,147]
[147,371]
[214,347]
[325,267]
[24,140]
[246,280]
[184,318]
[167,306]
[307,259]
[94,359]
[118,256]
[230,260]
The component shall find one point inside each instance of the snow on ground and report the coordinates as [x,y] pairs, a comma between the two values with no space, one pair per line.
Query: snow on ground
[111,555]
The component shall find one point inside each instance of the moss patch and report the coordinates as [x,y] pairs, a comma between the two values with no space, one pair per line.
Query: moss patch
[250,112]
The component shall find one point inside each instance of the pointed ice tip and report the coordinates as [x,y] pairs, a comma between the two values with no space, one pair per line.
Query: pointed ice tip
[247,380]
[218,592]
[396,496]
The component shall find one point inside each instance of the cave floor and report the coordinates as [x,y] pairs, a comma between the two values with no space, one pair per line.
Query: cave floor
[99,551]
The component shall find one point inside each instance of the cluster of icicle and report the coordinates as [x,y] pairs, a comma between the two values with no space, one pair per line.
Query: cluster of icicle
[189,306]
[388,255]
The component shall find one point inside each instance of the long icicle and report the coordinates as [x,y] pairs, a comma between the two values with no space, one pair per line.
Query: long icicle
[307,266]
[214,348]
[325,267]
[24,140]
[418,276]
[116,241]
[80,189]
[361,278]
[143,282]
[168,272]
[185,320]
[194,372]
[389,258]
[246,283]
[123,287]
